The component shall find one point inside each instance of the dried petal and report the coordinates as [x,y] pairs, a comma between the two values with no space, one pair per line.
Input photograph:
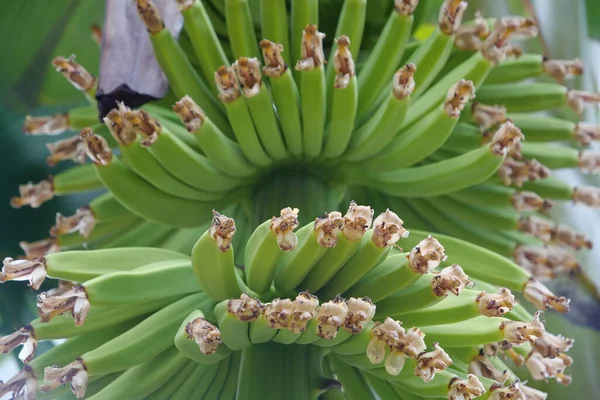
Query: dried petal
[482,366]
[357,221]
[283,227]
[450,279]
[330,317]
[22,386]
[222,231]
[517,332]
[411,344]
[488,116]
[403,83]
[577,99]
[144,125]
[83,221]
[495,304]
[327,228]
[529,201]
[383,335]
[549,345]
[588,195]
[585,133]
[23,336]
[46,125]
[190,113]
[562,69]
[471,37]
[74,302]
[387,229]
[541,297]
[33,271]
[119,127]
[150,16]
[426,256]
[450,16]
[40,248]
[510,392]
[458,96]
[542,368]
[34,195]
[343,63]
[567,236]
[227,83]
[465,389]
[430,363]
[245,308]
[304,308]
[66,149]
[312,54]
[274,62]
[518,172]
[533,394]
[538,227]
[206,335]
[73,373]
[405,7]
[360,312]
[96,147]
[589,161]
[496,46]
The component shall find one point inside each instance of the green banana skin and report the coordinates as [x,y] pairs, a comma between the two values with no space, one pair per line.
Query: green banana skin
[148,377]
[218,383]
[544,128]
[146,234]
[494,218]
[188,347]
[314,110]
[168,389]
[230,388]
[62,326]
[333,260]
[275,26]
[262,255]
[68,265]
[342,113]
[144,341]
[418,295]
[451,310]
[303,12]
[526,97]
[430,57]
[234,332]
[240,29]
[78,179]
[551,188]
[202,375]
[352,381]
[287,100]
[516,69]
[260,332]
[142,284]
[552,156]
[165,209]
[366,258]
[106,207]
[462,334]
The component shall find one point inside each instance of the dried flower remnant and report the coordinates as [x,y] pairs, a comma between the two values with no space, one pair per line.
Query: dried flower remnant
[569,237]
[387,229]
[304,308]
[278,312]
[541,297]
[22,386]
[562,69]
[40,248]
[482,366]
[74,302]
[577,99]
[409,345]
[451,279]
[488,116]
[585,133]
[529,201]
[383,335]
[517,332]
[470,37]
[588,195]
[327,228]
[536,226]
[274,62]
[403,83]
[330,317]
[66,149]
[23,336]
[190,113]
[248,73]
[510,392]
[245,308]
[505,139]
[357,221]
[514,172]
[497,45]
[73,373]
[34,194]
[465,389]
[222,230]
[542,368]
[96,147]
[33,271]
[144,125]
[426,256]
[343,63]
[283,226]
[450,17]
[533,394]
[46,125]
[495,304]
[549,345]
[206,335]
[589,161]
[360,312]
[227,83]
[75,73]
[150,16]
[312,54]
[83,221]
[458,96]
[431,362]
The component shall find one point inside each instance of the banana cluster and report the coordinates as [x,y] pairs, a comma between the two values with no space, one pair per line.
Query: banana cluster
[172,299]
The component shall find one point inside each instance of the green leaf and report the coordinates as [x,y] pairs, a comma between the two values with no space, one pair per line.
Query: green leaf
[32,33]
[593,18]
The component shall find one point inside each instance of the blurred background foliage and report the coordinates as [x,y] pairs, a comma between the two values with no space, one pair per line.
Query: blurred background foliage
[32,32]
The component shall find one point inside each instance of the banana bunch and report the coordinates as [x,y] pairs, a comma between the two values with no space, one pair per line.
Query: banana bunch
[260,124]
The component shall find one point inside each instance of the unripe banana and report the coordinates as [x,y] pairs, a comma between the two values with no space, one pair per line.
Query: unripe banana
[266,246]
[233,318]
[531,66]
[199,340]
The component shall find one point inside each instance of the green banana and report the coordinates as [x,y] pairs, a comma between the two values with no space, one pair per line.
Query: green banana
[233,318]
[240,29]
[200,341]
